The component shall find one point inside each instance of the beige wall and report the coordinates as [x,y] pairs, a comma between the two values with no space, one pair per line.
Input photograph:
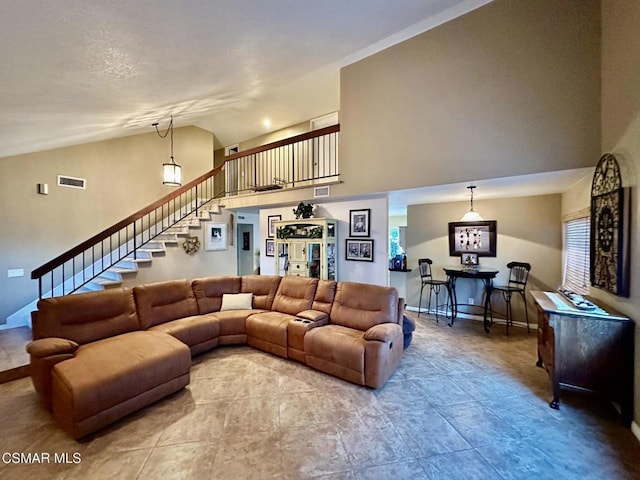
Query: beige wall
[529,230]
[123,175]
[510,88]
[621,136]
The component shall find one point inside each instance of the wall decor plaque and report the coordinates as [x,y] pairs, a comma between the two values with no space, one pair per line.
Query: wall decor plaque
[609,252]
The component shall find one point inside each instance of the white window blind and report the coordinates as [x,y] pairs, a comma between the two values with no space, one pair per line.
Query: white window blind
[575,274]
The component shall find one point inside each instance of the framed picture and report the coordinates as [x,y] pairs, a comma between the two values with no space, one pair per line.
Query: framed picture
[473,237]
[215,236]
[269,247]
[469,259]
[271,219]
[360,222]
[359,250]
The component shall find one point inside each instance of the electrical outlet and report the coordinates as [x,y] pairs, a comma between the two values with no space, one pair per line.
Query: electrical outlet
[15,272]
[471,301]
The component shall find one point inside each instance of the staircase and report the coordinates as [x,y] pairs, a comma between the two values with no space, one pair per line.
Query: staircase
[156,247]
[104,260]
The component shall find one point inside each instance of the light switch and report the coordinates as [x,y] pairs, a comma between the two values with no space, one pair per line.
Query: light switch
[15,272]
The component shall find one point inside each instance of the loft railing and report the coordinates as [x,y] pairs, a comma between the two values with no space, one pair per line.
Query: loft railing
[297,161]
[304,159]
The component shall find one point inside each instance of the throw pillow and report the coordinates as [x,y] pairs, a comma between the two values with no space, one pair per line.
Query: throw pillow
[236,301]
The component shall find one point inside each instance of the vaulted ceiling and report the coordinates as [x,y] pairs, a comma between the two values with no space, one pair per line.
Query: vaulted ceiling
[76,71]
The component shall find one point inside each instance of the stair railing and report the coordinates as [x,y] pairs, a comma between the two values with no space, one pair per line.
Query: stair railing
[78,266]
[301,160]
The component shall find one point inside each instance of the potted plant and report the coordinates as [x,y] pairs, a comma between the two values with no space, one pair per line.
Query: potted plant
[304,210]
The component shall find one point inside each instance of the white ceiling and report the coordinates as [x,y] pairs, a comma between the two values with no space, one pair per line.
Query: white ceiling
[76,71]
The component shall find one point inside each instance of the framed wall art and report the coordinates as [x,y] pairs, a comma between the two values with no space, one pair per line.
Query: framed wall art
[360,223]
[610,219]
[473,237]
[359,249]
[215,236]
[270,247]
[271,228]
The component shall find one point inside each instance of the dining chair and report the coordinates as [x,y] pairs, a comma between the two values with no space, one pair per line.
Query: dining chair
[435,286]
[518,276]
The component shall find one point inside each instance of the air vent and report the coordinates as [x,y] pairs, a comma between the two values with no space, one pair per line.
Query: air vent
[321,192]
[71,182]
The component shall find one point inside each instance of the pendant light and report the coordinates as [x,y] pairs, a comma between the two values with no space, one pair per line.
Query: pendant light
[471,215]
[171,171]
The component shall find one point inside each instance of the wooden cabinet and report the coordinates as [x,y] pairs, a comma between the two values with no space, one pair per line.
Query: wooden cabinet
[308,248]
[590,351]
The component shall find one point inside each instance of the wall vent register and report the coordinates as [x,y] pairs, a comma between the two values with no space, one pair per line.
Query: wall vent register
[71,182]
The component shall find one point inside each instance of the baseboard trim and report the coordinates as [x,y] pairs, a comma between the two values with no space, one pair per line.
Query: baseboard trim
[479,318]
[14,374]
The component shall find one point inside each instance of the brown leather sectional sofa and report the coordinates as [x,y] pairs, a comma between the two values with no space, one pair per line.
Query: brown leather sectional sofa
[99,356]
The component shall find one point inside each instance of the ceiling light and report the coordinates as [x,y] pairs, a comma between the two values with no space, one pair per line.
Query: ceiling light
[171,171]
[267,123]
[471,215]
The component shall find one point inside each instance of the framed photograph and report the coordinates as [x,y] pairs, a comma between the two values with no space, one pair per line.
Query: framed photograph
[469,259]
[359,250]
[360,222]
[215,236]
[271,219]
[270,247]
[473,237]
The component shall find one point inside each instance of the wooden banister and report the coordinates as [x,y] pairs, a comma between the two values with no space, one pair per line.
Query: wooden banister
[287,141]
[78,249]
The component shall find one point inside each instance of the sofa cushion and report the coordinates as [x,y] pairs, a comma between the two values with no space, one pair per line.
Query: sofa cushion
[164,301]
[236,301]
[294,294]
[108,372]
[233,322]
[263,287]
[361,306]
[269,326]
[325,293]
[336,350]
[191,330]
[208,291]
[86,317]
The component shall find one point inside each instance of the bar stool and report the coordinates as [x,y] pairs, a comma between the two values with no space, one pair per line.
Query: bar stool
[518,276]
[435,286]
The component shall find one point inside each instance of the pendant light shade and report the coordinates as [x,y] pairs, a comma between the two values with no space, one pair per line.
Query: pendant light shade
[171,174]
[471,215]
[171,171]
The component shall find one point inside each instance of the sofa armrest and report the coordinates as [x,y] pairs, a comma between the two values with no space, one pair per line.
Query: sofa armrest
[384,332]
[313,315]
[45,353]
[46,347]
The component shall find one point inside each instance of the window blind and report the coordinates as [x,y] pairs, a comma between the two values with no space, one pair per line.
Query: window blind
[575,271]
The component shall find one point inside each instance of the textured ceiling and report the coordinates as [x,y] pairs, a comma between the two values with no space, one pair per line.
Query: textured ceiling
[75,71]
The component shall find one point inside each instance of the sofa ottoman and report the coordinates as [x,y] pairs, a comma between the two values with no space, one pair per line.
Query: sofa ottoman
[108,379]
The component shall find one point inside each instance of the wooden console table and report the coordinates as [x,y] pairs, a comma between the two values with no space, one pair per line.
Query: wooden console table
[589,351]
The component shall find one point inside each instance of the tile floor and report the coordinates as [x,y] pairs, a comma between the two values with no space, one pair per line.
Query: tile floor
[463,405]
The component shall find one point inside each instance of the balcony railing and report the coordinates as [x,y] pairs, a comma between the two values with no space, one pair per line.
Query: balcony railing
[302,160]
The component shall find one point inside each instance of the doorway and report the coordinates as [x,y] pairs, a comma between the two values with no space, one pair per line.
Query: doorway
[245,242]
